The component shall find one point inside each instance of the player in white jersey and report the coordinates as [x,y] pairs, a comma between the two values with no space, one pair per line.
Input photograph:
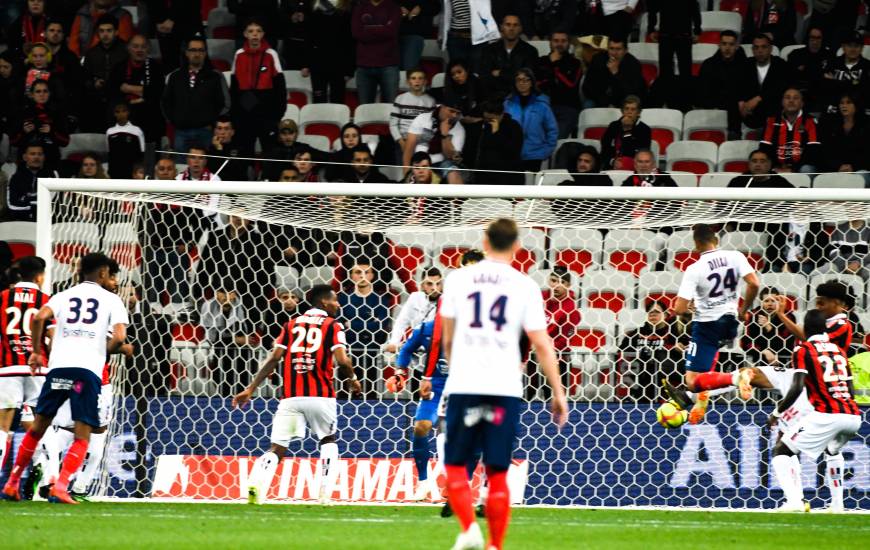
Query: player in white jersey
[485,310]
[711,284]
[85,314]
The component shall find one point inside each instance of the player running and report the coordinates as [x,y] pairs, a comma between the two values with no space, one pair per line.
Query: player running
[307,348]
[85,314]
[484,311]
[18,386]
[711,283]
[822,367]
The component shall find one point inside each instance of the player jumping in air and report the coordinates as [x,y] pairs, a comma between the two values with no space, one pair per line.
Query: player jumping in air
[822,368]
[484,311]
[85,315]
[307,348]
[711,283]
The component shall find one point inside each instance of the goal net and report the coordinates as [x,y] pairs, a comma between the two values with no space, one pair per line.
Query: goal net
[212,270]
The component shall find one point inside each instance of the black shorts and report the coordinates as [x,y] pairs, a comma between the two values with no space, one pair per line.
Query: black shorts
[486,423]
[80,386]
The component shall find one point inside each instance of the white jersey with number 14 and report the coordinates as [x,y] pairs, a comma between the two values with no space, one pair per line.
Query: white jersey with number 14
[712,283]
[492,304]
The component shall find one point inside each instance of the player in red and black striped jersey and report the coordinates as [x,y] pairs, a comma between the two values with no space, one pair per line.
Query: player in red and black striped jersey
[820,367]
[18,305]
[307,348]
[834,299]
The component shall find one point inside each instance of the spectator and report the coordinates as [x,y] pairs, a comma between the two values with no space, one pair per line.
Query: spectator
[361,170]
[652,351]
[67,67]
[409,106]
[172,22]
[763,81]
[849,252]
[502,59]
[37,67]
[559,75]
[40,121]
[849,72]
[230,334]
[197,169]
[295,18]
[307,169]
[563,317]
[126,143]
[760,174]
[461,39]
[554,16]
[351,137]
[618,17]
[329,53]
[500,148]
[808,65]
[83,35]
[139,82]
[440,134]
[416,26]
[679,28]
[421,170]
[265,10]
[257,89]
[289,174]
[766,340]
[281,309]
[845,138]
[646,174]
[98,65]
[375,27]
[585,169]
[532,110]
[806,245]
[9,86]
[21,193]
[466,90]
[613,76]
[139,171]
[91,168]
[285,149]
[836,18]
[224,152]
[719,80]
[29,28]
[625,137]
[195,95]
[790,137]
[775,18]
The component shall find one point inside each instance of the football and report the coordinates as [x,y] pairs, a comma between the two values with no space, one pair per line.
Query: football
[670,416]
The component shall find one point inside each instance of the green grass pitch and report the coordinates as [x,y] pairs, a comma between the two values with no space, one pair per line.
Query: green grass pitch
[215,526]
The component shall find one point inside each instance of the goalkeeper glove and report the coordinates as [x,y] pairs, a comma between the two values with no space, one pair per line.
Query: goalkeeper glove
[396,382]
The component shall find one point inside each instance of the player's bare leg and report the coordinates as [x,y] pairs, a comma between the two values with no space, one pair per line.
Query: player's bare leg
[328,468]
[263,472]
[72,461]
[11,491]
[420,451]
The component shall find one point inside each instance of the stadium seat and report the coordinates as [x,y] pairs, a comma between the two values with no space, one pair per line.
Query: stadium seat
[228,77]
[291,112]
[713,22]
[787,51]
[286,277]
[680,249]
[607,289]
[737,6]
[734,155]
[648,55]
[617,176]
[298,88]
[593,122]
[747,49]
[221,24]
[449,246]
[706,125]
[321,143]
[700,53]
[552,177]
[837,181]
[315,275]
[121,242]
[437,81]
[630,319]
[82,143]
[413,249]
[532,249]
[543,47]
[373,118]
[21,238]
[482,210]
[325,119]
[791,285]
[596,330]
[684,179]
[432,58]
[666,126]
[752,244]
[74,239]
[631,250]
[697,157]
[658,286]
[221,51]
[576,249]
[801,180]
[717,179]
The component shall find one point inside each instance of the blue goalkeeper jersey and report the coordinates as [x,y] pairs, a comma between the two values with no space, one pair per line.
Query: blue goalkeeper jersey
[421,337]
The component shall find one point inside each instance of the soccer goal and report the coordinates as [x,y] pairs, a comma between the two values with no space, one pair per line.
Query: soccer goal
[211,270]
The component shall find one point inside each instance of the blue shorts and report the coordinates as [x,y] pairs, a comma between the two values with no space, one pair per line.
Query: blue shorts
[707,338]
[427,409]
[80,386]
[486,423]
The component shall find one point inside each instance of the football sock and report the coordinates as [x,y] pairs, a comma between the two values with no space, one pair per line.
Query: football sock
[789,476]
[484,488]
[834,469]
[420,450]
[71,463]
[440,442]
[329,468]
[498,506]
[5,446]
[92,463]
[263,471]
[53,445]
[712,380]
[25,453]
[459,495]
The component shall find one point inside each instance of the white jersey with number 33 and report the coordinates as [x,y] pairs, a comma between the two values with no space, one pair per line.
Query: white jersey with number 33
[492,304]
[712,283]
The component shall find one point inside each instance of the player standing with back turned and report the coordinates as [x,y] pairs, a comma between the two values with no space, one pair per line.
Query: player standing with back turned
[485,309]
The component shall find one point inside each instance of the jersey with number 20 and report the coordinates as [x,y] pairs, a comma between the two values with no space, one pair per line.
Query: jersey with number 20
[492,304]
[712,283]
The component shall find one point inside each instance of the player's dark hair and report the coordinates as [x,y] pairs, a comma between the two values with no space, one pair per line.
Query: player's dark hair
[836,290]
[471,256]
[432,272]
[727,32]
[26,269]
[703,234]
[814,323]
[502,234]
[768,290]
[93,262]
[318,294]
[562,273]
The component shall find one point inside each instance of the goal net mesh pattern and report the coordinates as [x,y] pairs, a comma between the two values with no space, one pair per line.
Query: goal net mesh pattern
[210,278]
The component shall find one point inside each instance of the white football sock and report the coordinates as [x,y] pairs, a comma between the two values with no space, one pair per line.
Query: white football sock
[4,437]
[263,472]
[328,468]
[788,473]
[54,444]
[834,475]
[484,488]
[440,444]
[92,462]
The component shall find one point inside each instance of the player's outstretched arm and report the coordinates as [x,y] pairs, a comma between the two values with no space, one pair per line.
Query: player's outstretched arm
[345,370]
[752,287]
[789,324]
[241,398]
[543,345]
[37,336]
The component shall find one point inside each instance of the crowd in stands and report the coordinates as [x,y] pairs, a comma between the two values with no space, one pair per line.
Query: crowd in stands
[512,79]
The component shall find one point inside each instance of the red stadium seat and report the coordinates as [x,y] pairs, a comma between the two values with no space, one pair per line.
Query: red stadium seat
[188,332]
[450,255]
[410,259]
[614,301]
[575,260]
[524,260]
[685,258]
[593,339]
[633,261]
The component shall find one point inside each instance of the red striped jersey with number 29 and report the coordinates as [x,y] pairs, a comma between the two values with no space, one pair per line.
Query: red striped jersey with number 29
[310,341]
[828,374]
[18,305]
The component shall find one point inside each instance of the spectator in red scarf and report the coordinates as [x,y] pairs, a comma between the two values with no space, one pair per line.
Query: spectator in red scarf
[29,28]
[562,320]
[646,174]
[43,123]
[790,137]
[624,137]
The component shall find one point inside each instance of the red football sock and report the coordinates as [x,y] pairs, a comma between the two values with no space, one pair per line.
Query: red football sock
[7,452]
[459,495]
[712,381]
[72,462]
[498,506]
[25,453]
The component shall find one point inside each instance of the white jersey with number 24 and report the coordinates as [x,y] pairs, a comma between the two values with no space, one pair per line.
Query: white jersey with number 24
[712,283]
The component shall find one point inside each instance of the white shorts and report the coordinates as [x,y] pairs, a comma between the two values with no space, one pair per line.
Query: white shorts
[63,418]
[817,431]
[295,413]
[781,378]
[27,413]
[16,391]
[442,405]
